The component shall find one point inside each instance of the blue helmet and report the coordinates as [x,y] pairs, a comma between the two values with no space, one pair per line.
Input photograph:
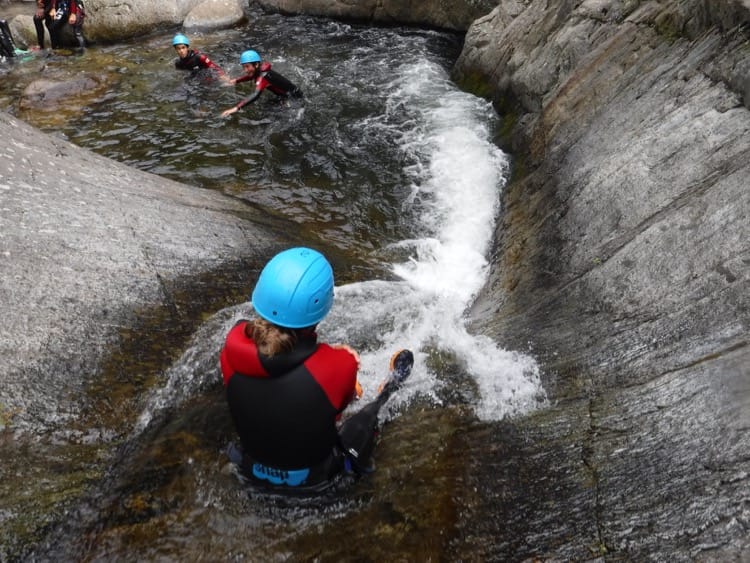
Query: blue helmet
[295,289]
[249,57]
[180,39]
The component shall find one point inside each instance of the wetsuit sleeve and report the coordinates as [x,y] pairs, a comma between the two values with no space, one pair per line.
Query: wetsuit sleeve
[239,355]
[205,62]
[250,99]
[280,85]
[261,83]
[335,370]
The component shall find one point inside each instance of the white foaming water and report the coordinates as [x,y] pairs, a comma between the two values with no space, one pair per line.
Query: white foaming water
[457,179]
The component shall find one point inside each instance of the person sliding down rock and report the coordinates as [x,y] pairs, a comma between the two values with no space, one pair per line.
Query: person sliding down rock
[286,391]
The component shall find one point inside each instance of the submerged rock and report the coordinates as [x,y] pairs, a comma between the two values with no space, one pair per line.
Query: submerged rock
[48,95]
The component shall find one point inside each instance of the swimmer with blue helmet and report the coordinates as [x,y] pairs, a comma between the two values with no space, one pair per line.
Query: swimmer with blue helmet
[265,78]
[193,60]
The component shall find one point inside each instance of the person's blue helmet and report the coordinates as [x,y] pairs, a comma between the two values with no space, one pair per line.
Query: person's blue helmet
[295,289]
[180,39]
[249,57]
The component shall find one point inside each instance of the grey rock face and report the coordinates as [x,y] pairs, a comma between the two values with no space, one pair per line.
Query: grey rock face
[434,13]
[623,259]
[83,242]
[214,14]
[113,20]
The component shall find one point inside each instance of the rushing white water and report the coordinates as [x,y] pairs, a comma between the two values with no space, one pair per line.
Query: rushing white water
[456,183]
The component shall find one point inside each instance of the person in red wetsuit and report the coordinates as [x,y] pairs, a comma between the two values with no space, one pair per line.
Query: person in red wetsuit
[56,14]
[195,61]
[265,79]
[286,391]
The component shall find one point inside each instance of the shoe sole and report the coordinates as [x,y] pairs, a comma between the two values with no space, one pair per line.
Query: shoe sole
[399,369]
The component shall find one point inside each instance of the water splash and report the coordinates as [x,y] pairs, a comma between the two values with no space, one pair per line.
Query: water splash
[457,176]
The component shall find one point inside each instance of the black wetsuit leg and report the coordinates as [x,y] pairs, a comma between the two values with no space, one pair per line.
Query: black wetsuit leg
[78,26]
[358,434]
[39,26]
[54,33]
[78,34]
[56,24]
[7,46]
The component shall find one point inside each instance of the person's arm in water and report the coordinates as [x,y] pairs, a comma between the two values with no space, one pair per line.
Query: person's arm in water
[242,103]
[243,78]
[205,62]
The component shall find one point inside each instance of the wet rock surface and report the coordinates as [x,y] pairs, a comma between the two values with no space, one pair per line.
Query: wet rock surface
[106,272]
[84,242]
[623,263]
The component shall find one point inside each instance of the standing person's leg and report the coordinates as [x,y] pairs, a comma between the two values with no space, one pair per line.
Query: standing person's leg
[78,33]
[78,25]
[57,23]
[39,26]
[54,27]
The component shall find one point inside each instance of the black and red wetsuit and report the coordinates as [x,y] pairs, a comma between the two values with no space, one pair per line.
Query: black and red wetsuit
[285,407]
[196,61]
[63,10]
[269,79]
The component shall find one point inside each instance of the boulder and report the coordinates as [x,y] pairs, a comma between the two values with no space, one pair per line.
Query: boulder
[427,13]
[48,95]
[85,242]
[112,20]
[214,14]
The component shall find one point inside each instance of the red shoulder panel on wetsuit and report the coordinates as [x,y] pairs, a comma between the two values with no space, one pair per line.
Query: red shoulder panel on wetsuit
[240,355]
[335,370]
